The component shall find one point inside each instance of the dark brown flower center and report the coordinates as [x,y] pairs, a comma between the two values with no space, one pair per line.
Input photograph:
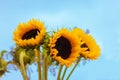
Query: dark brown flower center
[64,47]
[85,46]
[30,34]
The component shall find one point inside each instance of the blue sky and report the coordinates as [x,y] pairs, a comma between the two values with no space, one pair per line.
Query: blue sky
[101,17]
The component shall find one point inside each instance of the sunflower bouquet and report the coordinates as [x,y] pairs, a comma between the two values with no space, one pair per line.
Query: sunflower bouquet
[62,48]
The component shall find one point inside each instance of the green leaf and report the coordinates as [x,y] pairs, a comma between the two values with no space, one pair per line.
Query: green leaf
[2,53]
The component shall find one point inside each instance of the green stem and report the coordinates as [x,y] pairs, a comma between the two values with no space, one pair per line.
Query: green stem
[46,67]
[22,65]
[73,68]
[37,52]
[43,69]
[60,70]
[39,66]
[64,73]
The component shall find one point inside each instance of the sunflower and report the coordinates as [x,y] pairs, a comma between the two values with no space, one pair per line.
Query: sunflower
[64,47]
[91,50]
[29,34]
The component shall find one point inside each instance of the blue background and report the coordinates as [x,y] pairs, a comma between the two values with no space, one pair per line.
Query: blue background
[101,17]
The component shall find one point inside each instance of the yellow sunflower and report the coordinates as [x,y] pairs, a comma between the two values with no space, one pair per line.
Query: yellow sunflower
[91,50]
[64,47]
[29,34]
